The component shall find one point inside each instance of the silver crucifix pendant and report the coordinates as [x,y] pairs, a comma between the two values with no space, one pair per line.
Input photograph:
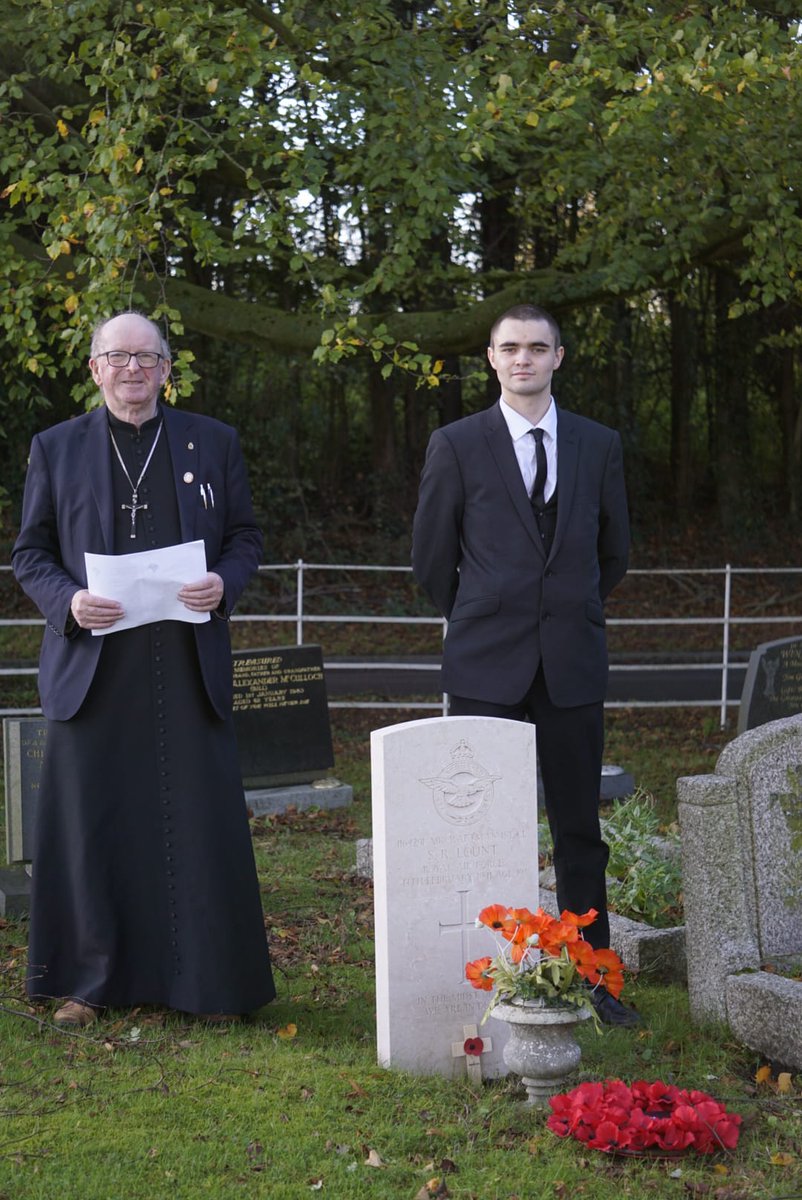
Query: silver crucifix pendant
[134,509]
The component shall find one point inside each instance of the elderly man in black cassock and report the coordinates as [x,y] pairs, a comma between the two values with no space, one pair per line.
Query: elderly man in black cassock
[144,887]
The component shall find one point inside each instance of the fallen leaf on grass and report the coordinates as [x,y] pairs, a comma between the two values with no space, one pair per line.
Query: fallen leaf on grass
[374,1159]
[315,1185]
[288,1031]
[782,1159]
[763,1074]
[784,1084]
[435,1187]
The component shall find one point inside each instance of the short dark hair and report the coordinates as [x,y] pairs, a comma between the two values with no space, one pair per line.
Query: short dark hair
[528,312]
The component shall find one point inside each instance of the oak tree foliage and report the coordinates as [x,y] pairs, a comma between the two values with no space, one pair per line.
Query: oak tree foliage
[373,181]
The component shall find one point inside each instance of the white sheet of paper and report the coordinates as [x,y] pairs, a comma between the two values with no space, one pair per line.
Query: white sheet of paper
[147,583]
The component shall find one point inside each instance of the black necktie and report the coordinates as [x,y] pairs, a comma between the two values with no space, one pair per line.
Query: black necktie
[539,488]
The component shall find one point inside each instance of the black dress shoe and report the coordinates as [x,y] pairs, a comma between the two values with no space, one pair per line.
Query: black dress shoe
[611,1011]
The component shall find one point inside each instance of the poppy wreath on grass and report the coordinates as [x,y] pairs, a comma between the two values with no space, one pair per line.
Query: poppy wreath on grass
[643,1118]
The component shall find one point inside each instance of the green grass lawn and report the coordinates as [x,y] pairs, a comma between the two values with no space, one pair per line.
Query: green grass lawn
[292,1103]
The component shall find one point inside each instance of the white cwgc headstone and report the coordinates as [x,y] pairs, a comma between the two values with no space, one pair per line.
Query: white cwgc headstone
[454,830]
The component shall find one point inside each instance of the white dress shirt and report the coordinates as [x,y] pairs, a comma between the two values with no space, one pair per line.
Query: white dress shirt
[524,445]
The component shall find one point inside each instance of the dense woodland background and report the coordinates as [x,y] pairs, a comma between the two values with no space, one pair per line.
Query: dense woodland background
[327,204]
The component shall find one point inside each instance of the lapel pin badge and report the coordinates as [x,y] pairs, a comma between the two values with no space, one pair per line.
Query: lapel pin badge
[188,477]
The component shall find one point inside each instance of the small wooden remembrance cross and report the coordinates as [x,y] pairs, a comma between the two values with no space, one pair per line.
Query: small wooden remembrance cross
[472,1047]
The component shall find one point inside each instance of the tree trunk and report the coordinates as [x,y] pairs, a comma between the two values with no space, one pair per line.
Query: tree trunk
[735,482]
[683,386]
[790,405]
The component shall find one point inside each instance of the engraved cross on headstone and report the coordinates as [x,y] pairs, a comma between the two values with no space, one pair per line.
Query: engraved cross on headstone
[465,926]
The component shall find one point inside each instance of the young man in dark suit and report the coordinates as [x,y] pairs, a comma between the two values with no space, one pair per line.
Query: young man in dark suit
[520,534]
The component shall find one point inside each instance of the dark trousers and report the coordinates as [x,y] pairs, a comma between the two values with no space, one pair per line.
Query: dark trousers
[570,745]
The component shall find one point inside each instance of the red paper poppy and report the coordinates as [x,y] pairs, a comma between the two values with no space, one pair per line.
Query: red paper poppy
[495,916]
[476,973]
[473,1046]
[581,921]
[643,1118]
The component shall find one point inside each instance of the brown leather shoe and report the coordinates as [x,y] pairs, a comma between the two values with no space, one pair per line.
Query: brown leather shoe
[75,1015]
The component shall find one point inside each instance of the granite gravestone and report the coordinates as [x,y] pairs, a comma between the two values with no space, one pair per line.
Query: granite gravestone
[454,830]
[773,684]
[742,883]
[23,749]
[281,717]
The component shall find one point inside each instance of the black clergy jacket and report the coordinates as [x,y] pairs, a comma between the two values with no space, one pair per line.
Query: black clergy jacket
[68,509]
[477,553]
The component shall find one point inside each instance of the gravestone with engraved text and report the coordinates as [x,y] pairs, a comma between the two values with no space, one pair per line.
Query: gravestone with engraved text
[23,751]
[281,715]
[454,829]
[773,684]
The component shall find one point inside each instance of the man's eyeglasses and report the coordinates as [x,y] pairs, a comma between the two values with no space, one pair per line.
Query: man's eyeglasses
[121,358]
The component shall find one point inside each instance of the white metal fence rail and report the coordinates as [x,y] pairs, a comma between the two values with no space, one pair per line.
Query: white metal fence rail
[300,618]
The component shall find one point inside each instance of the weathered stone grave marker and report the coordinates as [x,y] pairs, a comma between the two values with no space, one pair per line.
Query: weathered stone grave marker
[23,749]
[742,877]
[454,829]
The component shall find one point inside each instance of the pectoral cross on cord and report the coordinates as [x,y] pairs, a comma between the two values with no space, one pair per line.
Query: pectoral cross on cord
[134,507]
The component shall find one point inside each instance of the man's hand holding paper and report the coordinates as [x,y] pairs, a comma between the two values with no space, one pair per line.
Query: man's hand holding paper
[171,584]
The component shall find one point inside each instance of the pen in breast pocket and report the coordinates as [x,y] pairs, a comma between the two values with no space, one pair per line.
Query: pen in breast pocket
[211,494]
[203,495]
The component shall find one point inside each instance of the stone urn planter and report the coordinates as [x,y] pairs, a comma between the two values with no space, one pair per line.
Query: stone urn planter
[542,1046]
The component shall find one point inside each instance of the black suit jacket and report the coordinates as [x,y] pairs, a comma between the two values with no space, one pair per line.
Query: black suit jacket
[478,555]
[68,509]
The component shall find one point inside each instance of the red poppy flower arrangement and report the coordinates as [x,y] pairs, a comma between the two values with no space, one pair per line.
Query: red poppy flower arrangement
[643,1119]
[543,958]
